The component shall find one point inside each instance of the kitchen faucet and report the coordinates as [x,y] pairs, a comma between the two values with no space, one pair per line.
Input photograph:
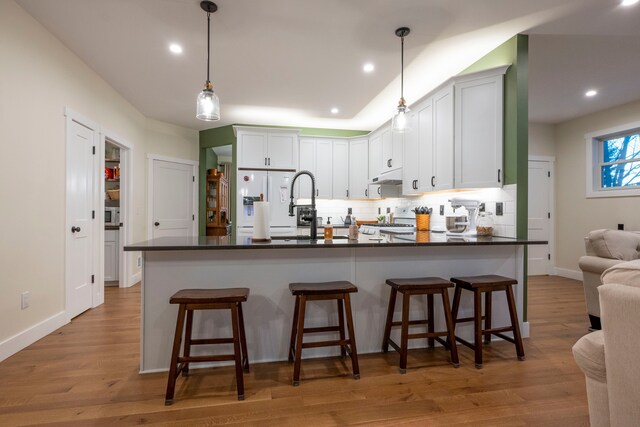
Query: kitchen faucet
[313,218]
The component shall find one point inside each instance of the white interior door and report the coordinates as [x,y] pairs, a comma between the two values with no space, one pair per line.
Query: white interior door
[172,207]
[539,216]
[81,202]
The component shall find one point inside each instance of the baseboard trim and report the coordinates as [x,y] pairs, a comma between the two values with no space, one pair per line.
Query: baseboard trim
[569,274]
[135,278]
[525,330]
[23,339]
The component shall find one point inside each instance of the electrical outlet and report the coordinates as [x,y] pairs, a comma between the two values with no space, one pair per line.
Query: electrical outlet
[441,209]
[499,209]
[25,300]
[139,261]
[388,210]
[378,211]
[481,208]
[620,226]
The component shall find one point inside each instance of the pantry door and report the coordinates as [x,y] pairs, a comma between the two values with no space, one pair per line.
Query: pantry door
[540,217]
[172,197]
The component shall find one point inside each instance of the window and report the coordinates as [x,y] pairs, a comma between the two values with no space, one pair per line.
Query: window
[614,162]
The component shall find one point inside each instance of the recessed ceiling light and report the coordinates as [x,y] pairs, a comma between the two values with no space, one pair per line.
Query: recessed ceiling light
[175,48]
[368,67]
[628,2]
[591,93]
[334,111]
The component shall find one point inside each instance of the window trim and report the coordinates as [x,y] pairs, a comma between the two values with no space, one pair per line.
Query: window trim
[593,139]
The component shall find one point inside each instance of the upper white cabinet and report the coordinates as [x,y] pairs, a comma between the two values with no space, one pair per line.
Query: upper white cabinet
[316,156]
[478,132]
[359,168]
[443,132]
[264,148]
[375,155]
[391,150]
[340,169]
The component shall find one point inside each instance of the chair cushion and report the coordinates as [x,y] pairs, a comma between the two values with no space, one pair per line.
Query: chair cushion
[625,273]
[589,355]
[615,244]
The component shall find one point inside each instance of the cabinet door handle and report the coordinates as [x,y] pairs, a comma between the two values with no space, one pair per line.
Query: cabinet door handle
[389,163]
[317,192]
[499,173]
[380,191]
[265,161]
[432,181]
[347,193]
[156,223]
[366,193]
[415,184]
[269,161]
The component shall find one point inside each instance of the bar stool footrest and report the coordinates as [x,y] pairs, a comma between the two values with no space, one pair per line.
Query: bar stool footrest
[325,343]
[321,329]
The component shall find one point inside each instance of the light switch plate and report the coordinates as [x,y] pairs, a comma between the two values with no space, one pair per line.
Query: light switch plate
[25,300]
[499,209]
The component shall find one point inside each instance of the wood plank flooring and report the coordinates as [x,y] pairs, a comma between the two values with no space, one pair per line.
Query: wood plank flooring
[86,373]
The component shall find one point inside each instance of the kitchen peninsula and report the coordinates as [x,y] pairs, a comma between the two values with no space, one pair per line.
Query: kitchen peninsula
[171,264]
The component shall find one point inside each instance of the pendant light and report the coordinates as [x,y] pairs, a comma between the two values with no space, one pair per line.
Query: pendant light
[399,122]
[208,104]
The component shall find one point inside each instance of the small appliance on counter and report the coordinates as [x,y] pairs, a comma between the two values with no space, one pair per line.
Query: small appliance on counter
[461,225]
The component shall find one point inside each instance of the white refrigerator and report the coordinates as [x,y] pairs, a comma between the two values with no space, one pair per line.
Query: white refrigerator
[276,188]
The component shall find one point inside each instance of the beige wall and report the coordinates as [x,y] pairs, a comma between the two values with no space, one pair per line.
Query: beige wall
[39,77]
[542,140]
[576,215]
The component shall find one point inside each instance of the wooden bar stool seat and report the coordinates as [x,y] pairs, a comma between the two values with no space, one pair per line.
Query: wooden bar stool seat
[428,286]
[338,291]
[487,284]
[190,300]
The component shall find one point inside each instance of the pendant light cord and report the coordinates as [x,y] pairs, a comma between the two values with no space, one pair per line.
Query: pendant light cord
[402,67]
[208,43]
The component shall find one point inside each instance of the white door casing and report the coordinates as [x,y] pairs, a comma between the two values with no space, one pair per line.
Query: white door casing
[172,197]
[540,214]
[80,231]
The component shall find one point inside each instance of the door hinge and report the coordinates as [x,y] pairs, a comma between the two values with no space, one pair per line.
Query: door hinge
[193,217]
[548,174]
[194,178]
[549,215]
[94,150]
[549,257]
[93,214]
[93,278]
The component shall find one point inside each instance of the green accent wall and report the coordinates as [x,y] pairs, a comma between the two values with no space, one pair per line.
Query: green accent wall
[224,135]
[514,51]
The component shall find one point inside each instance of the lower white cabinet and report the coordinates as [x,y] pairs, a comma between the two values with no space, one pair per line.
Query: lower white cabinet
[111,258]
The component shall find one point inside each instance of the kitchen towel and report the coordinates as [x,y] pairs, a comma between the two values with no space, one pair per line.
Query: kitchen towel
[261,220]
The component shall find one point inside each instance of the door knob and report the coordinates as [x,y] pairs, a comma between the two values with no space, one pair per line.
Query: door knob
[156,223]
[75,229]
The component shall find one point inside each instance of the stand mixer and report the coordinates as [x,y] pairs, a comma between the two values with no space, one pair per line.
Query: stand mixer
[472,206]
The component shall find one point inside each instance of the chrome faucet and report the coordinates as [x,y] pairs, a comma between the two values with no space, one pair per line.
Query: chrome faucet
[313,214]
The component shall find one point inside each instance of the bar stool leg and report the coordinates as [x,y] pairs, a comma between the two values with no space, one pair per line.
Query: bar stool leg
[430,324]
[387,326]
[177,338]
[487,315]
[514,323]
[243,340]
[302,302]
[477,325]
[187,342]
[454,312]
[343,350]
[236,350]
[352,338]
[294,325]
[450,328]
[404,334]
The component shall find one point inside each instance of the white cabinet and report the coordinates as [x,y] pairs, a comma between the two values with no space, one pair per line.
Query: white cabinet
[359,168]
[391,150]
[443,131]
[316,156]
[418,146]
[478,132]
[260,148]
[340,169]
[375,162]
[111,247]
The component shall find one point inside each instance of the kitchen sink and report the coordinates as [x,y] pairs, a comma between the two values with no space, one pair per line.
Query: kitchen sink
[305,237]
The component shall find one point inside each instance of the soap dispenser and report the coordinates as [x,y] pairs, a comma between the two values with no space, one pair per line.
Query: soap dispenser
[328,230]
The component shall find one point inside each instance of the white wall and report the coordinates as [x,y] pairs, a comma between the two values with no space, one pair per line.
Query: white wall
[576,215]
[39,77]
[542,139]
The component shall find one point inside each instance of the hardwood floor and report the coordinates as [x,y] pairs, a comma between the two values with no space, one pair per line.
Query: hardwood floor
[86,373]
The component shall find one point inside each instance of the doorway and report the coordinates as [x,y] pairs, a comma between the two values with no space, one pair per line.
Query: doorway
[541,206]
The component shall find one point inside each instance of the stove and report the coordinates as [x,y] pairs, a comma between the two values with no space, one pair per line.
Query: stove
[404,223]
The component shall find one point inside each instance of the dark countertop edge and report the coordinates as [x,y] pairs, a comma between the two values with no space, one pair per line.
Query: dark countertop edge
[271,245]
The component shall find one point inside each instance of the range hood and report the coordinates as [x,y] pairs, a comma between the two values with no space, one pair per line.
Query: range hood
[393,177]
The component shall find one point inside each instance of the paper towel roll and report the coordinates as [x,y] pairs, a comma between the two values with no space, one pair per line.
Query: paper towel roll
[261,220]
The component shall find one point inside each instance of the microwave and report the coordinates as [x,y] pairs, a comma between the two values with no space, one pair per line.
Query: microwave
[111,216]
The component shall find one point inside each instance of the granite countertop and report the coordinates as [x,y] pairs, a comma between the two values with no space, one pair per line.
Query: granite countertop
[364,241]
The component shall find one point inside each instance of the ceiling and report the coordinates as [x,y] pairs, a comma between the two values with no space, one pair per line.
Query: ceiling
[288,62]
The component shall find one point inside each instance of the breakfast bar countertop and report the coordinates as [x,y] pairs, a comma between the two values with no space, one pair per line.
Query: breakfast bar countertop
[364,241]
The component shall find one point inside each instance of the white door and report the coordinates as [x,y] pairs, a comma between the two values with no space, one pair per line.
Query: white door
[443,139]
[324,168]
[252,150]
[172,208]
[81,202]
[340,169]
[308,163]
[358,168]
[539,216]
[283,153]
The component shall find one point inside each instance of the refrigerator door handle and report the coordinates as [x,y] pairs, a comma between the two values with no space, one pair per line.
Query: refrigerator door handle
[269,193]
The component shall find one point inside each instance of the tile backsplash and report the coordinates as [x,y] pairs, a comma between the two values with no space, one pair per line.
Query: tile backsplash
[504,225]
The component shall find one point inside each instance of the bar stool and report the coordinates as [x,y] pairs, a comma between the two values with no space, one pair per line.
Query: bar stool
[428,286]
[487,284]
[208,299]
[304,292]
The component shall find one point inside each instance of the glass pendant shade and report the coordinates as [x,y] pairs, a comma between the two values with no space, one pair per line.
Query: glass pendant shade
[400,119]
[208,106]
